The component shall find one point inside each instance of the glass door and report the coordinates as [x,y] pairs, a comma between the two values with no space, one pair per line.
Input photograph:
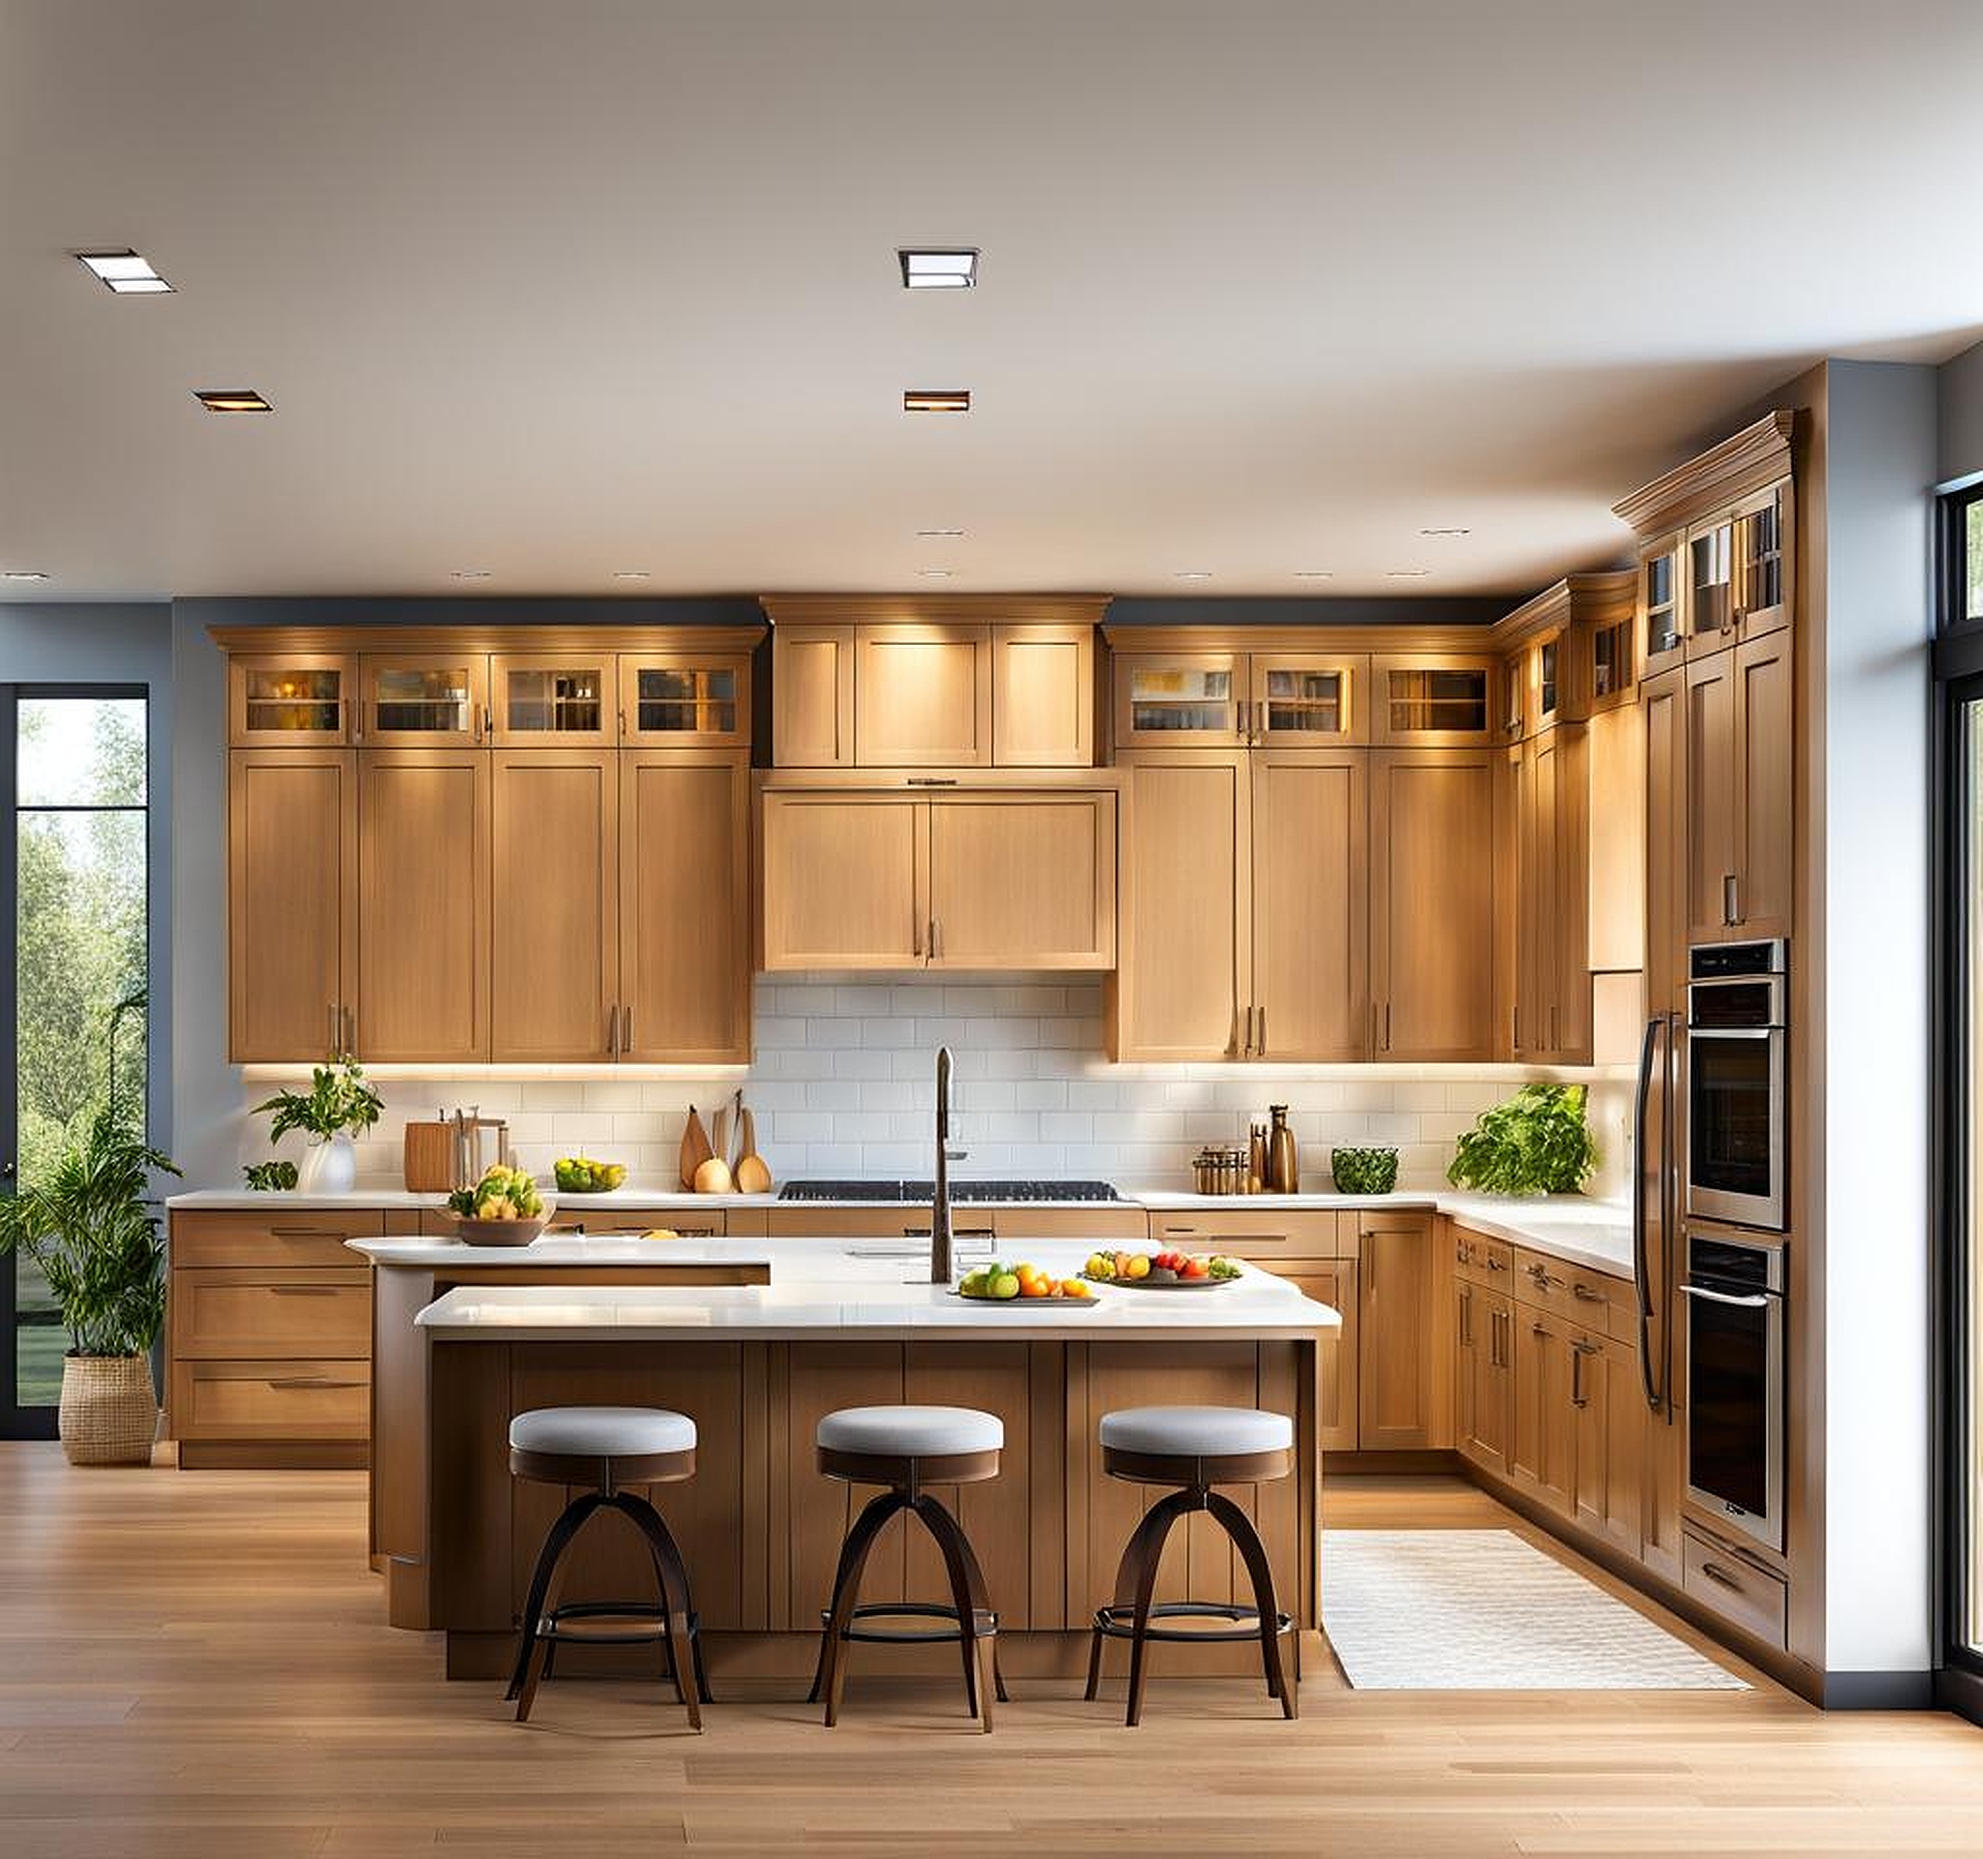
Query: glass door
[74,923]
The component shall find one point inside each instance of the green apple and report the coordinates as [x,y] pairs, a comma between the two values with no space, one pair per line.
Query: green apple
[1005,1285]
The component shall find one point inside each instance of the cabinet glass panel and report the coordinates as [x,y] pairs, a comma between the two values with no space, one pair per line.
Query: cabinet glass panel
[1547,655]
[555,702]
[685,700]
[1191,700]
[1437,700]
[419,700]
[1710,578]
[1305,703]
[1611,659]
[300,702]
[1761,544]
[1514,694]
[1662,597]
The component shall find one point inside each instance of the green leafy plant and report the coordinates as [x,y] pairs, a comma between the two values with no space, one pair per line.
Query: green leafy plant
[1364,1171]
[86,1225]
[338,1101]
[1535,1143]
[270,1177]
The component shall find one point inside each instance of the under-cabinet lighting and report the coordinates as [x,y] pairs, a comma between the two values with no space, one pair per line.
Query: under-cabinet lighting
[231,400]
[938,267]
[936,400]
[124,271]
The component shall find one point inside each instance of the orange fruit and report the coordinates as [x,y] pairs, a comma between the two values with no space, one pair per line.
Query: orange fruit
[1035,1286]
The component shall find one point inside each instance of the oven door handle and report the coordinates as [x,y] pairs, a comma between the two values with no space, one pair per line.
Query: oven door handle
[1641,1264]
[1755,1301]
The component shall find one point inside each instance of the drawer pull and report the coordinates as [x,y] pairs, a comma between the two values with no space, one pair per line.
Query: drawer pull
[1715,1572]
[1585,1295]
[305,1290]
[286,1382]
[303,1232]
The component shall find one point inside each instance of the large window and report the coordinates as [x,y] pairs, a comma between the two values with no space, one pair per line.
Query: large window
[73,899]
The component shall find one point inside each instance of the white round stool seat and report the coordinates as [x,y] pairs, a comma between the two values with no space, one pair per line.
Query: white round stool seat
[1196,1432]
[602,1432]
[911,1432]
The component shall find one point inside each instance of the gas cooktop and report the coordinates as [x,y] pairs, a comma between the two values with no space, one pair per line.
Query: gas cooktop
[988,1190]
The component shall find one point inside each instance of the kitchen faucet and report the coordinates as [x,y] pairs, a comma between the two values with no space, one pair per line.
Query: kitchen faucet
[940,1246]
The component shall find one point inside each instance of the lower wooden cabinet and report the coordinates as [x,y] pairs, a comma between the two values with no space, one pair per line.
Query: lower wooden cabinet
[1542,1444]
[1401,1307]
[1483,1374]
[1726,1580]
[1334,1283]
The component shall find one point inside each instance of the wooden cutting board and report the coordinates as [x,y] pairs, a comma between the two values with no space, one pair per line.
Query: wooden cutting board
[429,1158]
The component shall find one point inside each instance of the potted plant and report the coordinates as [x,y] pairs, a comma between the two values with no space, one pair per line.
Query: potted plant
[1535,1143]
[338,1106]
[89,1229]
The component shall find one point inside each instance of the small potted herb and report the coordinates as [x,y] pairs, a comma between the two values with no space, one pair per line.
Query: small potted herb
[338,1106]
[1535,1143]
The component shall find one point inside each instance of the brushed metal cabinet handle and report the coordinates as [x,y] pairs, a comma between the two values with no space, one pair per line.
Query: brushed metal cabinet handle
[1261,1037]
[626,1031]
[310,1381]
[304,1232]
[1730,901]
[303,1290]
[1715,1572]
[612,1032]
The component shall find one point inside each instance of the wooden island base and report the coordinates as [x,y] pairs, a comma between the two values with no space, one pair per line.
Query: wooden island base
[760,1529]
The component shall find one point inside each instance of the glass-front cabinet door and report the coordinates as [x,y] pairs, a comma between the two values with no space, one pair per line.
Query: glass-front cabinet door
[1511,683]
[1762,561]
[1711,585]
[1433,700]
[1611,666]
[1307,702]
[1188,700]
[1662,606]
[434,700]
[293,700]
[684,700]
[552,700]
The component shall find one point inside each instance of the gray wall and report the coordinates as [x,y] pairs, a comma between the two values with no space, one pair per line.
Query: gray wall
[122,643]
[1961,409]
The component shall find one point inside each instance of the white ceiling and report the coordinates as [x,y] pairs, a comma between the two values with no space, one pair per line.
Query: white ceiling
[554,290]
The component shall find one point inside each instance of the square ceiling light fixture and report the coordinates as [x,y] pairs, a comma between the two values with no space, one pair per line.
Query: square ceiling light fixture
[125,272]
[231,400]
[937,400]
[938,267]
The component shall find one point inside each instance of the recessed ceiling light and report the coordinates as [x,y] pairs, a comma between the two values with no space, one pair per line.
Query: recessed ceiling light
[125,272]
[630,574]
[231,400]
[937,400]
[1406,574]
[1192,574]
[1445,532]
[469,574]
[926,267]
[1314,574]
[22,574]
[934,574]
[939,534]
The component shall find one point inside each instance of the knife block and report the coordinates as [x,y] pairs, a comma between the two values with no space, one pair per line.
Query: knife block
[429,1158]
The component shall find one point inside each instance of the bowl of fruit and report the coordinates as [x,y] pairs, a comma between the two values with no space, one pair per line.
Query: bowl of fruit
[580,1174]
[504,1208]
[1162,1271]
[1018,1285]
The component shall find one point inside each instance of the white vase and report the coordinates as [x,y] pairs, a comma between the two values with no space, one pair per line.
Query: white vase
[329,1167]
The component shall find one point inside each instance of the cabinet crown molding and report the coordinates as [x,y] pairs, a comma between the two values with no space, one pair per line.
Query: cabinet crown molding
[1381,638]
[493,638]
[1600,599]
[950,609]
[1747,461]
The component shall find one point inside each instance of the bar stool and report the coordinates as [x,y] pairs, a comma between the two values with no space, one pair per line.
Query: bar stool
[607,1448]
[906,1448]
[1193,1449]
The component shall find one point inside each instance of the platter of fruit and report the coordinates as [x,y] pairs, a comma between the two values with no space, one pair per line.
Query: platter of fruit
[504,1208]
[1018,1285]
[580,1174]
[1161,1271]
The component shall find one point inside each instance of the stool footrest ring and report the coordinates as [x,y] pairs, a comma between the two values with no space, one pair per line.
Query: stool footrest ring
[984,1622]
[552,1625]
[1117,1622]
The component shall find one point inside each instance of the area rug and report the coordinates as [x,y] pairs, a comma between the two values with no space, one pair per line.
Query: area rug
[1481,1610]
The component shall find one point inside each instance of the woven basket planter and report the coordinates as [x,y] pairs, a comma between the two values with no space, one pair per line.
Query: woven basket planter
[109,1410]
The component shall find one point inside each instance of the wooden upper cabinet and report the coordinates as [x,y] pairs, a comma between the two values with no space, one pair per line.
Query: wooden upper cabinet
[1180,700]
[1434,699]
[1663,708]
[1022,881]
[1765,706]
[685,700]
[1662,603]
[922,695]
[812,694]
[846,881]
[1713,799]
[1187,908]
[1043,695]
[1709,559]
[551,700]
[1310,881]
[432,700]
[1432,903]
[423,904]
[684,936]
[1763,555]
[1302,700]
[554,904]
[292,893]
[294,700]
[1552,1017]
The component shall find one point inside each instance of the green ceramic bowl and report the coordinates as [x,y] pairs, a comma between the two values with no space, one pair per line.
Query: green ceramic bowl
[1364,1171]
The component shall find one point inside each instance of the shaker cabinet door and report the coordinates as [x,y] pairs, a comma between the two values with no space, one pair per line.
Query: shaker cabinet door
[1311,894]
[1022,881]
[846,881]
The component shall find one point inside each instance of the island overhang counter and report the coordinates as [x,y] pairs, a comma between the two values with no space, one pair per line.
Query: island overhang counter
[816,1326]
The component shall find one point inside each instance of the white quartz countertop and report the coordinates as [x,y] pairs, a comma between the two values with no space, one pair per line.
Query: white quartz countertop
[634,1194]
[819,1288]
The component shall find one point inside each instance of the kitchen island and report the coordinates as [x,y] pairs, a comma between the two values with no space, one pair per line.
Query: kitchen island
[756,1340]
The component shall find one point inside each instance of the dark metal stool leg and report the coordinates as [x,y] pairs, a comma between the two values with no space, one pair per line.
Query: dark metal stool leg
[981,1597]
[674,1580]
[847,1591]
[559,1538]
[540,1648]
[967,1596]
[1143,1552]
[1239,1526]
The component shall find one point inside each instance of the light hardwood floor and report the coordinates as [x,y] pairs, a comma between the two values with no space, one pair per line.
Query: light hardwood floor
[194,1664]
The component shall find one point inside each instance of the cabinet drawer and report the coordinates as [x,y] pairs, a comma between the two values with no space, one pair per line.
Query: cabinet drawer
[1752,1598]
[246,1311]
[272,1238]
[574,1217]
[1594,1299]
[1128,1225]
[1263,1237]
[1483,1261]
[308,1399]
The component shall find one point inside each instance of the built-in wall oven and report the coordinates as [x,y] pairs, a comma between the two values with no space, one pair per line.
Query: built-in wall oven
[1737,1101]
[1733,1294]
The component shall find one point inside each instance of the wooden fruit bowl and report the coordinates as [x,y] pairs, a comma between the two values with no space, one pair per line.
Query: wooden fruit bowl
[500,1232]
